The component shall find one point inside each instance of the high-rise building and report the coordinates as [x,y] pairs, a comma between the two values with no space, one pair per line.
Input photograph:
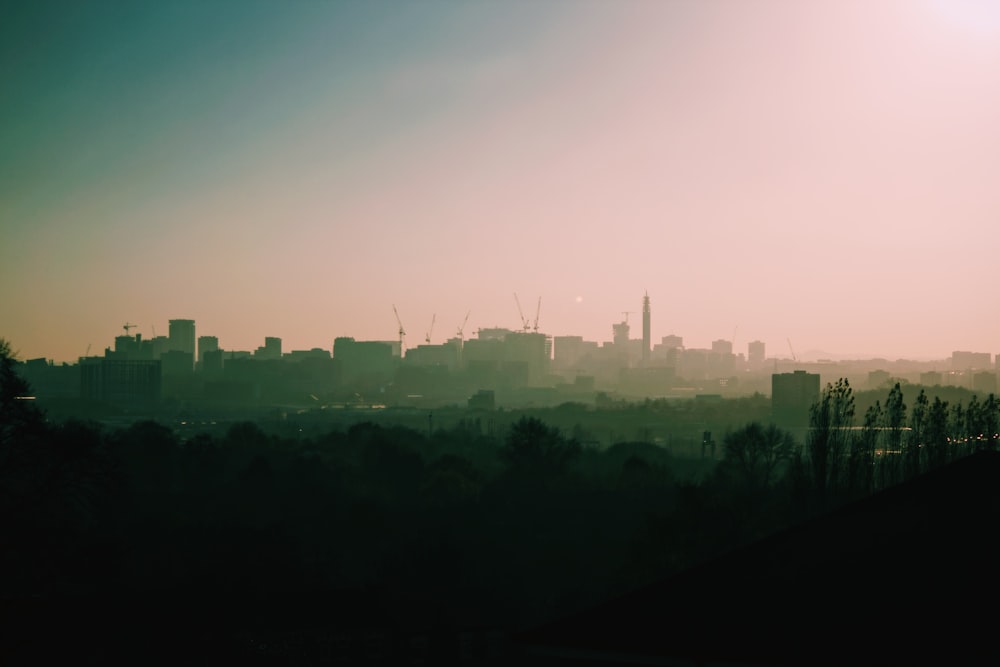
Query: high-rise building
[364,361]
[722,346]
[182,339]
[526,350]
[206,344]
[931,378]
[792,394]
[878,378]
[211,363]
[273,346]
[669,349]
[620,332]
[672,341]
[646,340]
[120,380]
[755,353]
[962,360]
[175,362]
[271,349]
[568,350]
[127,347]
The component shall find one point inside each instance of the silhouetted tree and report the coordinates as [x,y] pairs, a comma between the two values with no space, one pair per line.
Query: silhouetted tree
[894,419]
[862,461]
[937,440]
[981,423]
[451,481]
[392,469]
[149,452]
[991,422]
[958,429]
[534,448]
[754,453]
[912,464]
[18,417]
[827,443]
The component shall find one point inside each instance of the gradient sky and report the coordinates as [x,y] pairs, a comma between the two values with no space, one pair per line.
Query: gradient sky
[824,172]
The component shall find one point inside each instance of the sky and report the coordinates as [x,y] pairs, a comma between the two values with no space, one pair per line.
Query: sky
[820,176]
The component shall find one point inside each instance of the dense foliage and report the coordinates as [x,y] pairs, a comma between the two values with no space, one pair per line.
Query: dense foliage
[503,527]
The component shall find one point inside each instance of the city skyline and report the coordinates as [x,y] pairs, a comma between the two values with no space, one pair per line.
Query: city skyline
[818,173]
[635,331]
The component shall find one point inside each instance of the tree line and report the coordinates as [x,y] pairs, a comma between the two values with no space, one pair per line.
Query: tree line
[500,527]
[845,458]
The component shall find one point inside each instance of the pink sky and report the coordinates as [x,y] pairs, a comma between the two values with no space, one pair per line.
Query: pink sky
[821,172]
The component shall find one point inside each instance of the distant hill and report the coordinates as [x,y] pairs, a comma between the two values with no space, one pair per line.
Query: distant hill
[822,355]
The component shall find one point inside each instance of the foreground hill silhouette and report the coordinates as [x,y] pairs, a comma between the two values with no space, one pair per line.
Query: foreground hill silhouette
[908,576]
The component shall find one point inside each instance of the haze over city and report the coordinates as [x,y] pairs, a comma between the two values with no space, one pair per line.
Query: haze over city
[822,173]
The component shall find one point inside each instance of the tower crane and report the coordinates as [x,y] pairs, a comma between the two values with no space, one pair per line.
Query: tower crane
[790,349]
[524,322]
[461,329]
[128,326]
[427,338]
[402,332]
[538,309]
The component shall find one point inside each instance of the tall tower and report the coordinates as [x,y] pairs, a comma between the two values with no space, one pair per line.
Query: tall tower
[645,329]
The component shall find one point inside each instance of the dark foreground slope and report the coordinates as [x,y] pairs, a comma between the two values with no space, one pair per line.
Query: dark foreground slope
[908,576]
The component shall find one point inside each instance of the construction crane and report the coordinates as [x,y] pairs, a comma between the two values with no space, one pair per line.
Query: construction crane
[128,326]
[402,332]
[538,309]
[427,338]
[626,313]
[790,349]
[461,329]
[524,321]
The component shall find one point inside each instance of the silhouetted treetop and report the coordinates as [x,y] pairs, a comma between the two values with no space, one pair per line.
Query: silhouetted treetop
[18,415]
[533,447]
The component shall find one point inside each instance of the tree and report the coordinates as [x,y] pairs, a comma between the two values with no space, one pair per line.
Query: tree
[958,430]
[894,421]
[981,423]
[830,420]
[991,422]
[862,461]
[535,448]
[24,459]
[755,452]
[18,417]
[915,442]
[936,434]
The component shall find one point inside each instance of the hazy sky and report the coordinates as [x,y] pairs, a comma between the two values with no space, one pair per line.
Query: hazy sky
[825,172]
